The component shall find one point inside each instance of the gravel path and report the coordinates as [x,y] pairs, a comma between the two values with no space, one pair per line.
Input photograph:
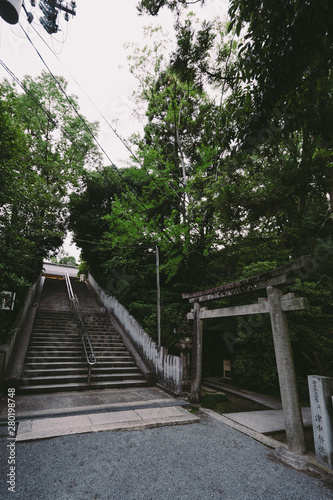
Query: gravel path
[206,460]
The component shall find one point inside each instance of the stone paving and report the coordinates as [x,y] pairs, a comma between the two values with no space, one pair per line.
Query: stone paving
[267,421]
[60,414]
[31,430]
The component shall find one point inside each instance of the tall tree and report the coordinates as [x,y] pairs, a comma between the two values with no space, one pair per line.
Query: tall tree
[288,47]
[47,154]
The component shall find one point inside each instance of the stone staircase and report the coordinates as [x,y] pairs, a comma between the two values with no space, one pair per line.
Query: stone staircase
[55,360]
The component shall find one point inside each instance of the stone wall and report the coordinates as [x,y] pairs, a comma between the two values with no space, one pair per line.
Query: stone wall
[6,350]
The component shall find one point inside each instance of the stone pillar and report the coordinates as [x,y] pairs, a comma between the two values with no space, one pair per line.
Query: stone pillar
[196,356]
[286,372]
[320,389]
[185,353]
[186,357]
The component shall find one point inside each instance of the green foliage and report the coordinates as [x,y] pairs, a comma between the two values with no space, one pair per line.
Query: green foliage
[6,320]
[254,363]
[210,400]
[258,268]
[312,330]
[84,268]
[43,150]
[231,177]
[287,50]
[153,7]
[68,260]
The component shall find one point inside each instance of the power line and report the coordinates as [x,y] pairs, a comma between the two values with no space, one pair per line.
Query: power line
[106,120]
[68,99]
[30,94]
[34,99]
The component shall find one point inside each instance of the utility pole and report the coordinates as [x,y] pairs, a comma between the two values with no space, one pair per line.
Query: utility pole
[158,298]
[50,10]
[10,12]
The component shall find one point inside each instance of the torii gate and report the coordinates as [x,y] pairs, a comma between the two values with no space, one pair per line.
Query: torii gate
[276,305]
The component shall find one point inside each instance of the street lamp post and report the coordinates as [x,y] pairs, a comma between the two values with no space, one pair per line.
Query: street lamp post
[158,298]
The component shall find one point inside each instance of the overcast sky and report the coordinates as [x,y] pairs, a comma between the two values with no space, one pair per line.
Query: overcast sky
[90,48]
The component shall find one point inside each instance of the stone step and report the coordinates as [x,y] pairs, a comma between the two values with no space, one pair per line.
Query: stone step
[96,326]
[52,340]
[99,350]
[76,378]
[122,356]
[97,331]
[106,342]
[73,331]
[79,364]
[119,384]
[114,354]
[56,335]
[55,359]
[72,340]
[108,349]
[54,324]
[71,355]
[55,320]
[50,355]
[75,343]
[92,327]
[59,316]
[105,337]
[51,333]
[103,334]
[48,372]
[108,346]
[61,333]
[55,347]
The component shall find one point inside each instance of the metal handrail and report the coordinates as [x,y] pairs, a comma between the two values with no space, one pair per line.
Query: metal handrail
[88,349]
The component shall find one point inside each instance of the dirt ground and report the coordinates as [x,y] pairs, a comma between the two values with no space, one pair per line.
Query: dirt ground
[232,404]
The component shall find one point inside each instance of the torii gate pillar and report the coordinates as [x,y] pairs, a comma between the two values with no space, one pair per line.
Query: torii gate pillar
[286,372]
[196,355]
[276,305]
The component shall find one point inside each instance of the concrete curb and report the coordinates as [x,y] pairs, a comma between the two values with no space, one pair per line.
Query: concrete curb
[267,441]
[84,410]
[32,430]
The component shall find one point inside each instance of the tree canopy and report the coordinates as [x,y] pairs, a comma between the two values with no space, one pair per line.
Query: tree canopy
[231,175]
[44,149]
